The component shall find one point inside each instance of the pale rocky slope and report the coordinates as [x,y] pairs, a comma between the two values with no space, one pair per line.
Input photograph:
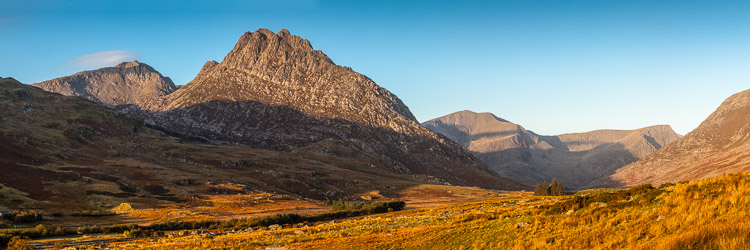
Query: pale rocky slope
[721,144]
[574,159]
[126,83]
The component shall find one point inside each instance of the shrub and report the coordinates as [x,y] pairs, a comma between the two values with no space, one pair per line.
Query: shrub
[137,232]
[19,243]
[616,200]
[24,217]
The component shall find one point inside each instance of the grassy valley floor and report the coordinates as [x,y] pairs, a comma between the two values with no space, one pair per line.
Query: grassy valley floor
[703,214]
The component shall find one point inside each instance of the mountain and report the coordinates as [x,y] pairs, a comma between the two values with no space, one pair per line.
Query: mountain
[721,144]
[127,83]
[60,153]
[574,159]
[274,91]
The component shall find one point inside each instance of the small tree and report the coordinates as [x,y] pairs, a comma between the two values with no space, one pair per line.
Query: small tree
[541,189]
[556,188]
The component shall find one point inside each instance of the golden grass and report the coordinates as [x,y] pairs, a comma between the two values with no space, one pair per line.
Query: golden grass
[704,214]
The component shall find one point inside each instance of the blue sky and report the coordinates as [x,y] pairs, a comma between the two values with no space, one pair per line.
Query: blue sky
[551,66]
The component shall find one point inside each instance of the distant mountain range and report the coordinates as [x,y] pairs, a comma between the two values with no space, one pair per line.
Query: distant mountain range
[721,144]
[573,159]
[274,91]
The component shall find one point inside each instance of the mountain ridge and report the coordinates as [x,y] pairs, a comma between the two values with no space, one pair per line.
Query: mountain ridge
[720,144]
[574,158]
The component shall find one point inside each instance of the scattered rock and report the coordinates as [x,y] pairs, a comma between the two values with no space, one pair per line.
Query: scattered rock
[274,227]
[299,232]
[522,224]
[198,232]
[123,208]
[26,107]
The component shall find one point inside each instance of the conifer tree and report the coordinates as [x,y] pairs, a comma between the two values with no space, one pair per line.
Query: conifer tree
[556,188]
[541,189]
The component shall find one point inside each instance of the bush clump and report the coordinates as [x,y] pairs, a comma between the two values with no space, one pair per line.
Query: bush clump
[620,199]
[24,217]
[555,188]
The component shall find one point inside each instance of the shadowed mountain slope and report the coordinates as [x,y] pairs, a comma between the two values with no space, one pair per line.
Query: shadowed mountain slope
[574,159]
[721,144]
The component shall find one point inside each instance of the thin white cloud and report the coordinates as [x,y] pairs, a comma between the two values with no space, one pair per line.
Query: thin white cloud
[102,59]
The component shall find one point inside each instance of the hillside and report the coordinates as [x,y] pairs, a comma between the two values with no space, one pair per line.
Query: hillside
[721,144]
[574,159]
[65,154]
[274,91]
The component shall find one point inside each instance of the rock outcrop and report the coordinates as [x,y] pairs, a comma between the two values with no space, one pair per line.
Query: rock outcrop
[574,159]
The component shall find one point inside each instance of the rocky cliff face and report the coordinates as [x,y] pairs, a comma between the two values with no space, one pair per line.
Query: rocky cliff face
[126,83]
[273,90]
[721,144]
[284,70]
[574,159]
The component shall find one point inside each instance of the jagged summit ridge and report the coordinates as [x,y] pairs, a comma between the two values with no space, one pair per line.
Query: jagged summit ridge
[283,69]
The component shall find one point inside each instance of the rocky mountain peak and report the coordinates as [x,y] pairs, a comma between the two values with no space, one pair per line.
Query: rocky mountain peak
[132,64]
[284,69]
[283,33]
[126,83]
[264,53]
